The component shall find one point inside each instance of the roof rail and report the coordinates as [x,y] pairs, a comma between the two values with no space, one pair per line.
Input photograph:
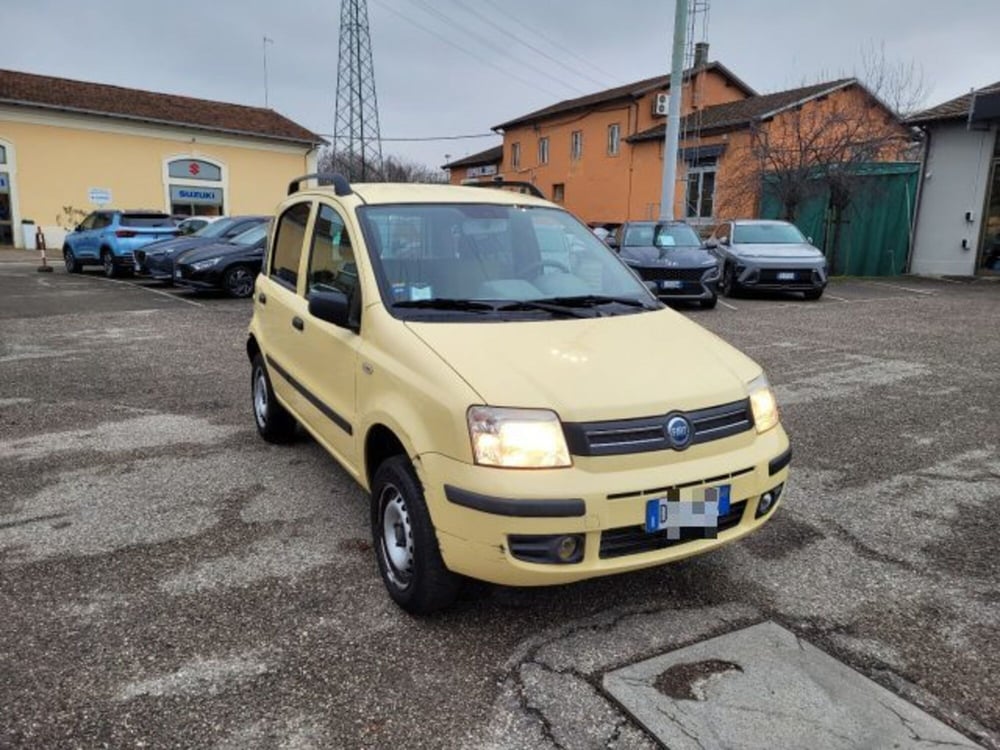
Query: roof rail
[340,184]
[526,187]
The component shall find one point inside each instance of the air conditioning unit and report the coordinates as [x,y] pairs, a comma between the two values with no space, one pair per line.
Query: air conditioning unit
[661,105]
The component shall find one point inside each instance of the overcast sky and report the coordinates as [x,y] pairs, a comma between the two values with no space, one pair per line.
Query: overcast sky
[456,67]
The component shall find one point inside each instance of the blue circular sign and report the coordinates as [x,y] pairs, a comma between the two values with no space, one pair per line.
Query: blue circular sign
[679,431]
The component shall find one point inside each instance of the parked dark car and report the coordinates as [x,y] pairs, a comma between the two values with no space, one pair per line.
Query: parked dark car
[157,261]
[231,266]
[670,255]
[767,255]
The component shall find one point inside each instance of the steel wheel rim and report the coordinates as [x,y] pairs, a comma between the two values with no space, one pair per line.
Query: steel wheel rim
[109,263]
[68,260]
[396,539]
[240,282]
[260,398]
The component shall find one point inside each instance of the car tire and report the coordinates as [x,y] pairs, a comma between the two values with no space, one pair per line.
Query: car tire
[238,281]
[72,264]
[111,269]
[405,543]
[813,294]
[709,303]
[729,286]
[273,421]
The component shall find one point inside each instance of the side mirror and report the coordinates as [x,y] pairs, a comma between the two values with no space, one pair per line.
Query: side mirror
[612,242]
[711,243]
[333,306]
[724,241]
[809,240]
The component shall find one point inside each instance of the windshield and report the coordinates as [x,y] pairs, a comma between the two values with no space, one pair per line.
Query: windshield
[675,235]
[431,256]
[639,235]
[767,234]
[251,236]
[215,229]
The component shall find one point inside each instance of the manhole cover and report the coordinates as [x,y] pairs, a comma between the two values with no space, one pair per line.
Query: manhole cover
[762,687]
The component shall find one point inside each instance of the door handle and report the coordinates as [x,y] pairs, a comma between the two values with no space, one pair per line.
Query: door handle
[297,323]
[262,298]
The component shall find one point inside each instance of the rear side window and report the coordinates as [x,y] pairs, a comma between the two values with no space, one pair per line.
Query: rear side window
[146,220]
[289,236]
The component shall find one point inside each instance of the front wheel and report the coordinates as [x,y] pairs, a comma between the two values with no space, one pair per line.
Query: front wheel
[108,261]
[274,423]
[813,294]
[238,281]
[72,264]
[709,303]
[406,546]
[730,286]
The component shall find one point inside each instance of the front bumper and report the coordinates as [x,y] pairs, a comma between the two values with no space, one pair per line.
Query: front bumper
[788,276]
[200,280]
[476,510]
[680,284]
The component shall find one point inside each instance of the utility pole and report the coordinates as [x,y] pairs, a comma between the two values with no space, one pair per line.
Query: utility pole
[672,137]
[267,41]
[357,142]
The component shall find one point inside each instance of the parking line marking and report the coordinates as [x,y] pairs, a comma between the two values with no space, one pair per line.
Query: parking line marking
[148,289]
[839,299]
[904,288]
[726,304]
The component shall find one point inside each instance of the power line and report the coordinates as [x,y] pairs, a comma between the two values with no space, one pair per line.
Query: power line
[460,48]
[416,139]
[486,40]
[565,50]
[492,22]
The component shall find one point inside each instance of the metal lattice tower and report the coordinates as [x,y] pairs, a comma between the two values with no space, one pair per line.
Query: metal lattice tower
[356,139]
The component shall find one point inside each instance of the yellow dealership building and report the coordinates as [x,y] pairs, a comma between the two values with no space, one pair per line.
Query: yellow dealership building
[69,147]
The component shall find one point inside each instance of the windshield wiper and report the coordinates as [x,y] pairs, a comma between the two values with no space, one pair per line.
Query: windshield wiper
[446,303]
[552,307]
[593,300]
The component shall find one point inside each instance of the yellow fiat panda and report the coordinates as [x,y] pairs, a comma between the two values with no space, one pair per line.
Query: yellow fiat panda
[519,406]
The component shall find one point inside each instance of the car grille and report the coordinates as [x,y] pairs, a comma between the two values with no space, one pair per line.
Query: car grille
[631,540]
[661,273]
[650,433]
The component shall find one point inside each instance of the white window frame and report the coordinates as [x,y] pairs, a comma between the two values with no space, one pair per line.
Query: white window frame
[576,145]
[515,155]
[703,168]
[614,139]
[543,150]
[10,169]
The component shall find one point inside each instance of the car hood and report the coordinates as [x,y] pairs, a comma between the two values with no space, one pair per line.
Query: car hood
[215,250]
[680,257]
[179,245]
[618,367]
[800,251]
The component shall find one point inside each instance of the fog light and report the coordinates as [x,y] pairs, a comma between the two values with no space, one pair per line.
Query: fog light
[567,548]
[765,503]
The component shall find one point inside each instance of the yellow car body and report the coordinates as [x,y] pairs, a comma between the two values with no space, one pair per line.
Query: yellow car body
[390,381]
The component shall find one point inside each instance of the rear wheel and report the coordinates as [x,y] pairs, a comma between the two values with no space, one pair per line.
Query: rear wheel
[108,261]
[274,423]
[72,264]
[406,546]
[238,281]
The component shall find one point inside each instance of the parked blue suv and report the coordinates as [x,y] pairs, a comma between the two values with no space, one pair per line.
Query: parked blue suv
[111,237]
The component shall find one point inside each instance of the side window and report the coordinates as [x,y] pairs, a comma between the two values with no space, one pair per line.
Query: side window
[331,258]
[102,220]
[289,236]
[88,223]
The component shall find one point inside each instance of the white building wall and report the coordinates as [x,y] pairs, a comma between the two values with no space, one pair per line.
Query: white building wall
[954,181]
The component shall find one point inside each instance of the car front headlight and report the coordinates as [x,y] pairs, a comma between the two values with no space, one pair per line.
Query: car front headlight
[712,273]
[201,265]
[763,404]
[517,438]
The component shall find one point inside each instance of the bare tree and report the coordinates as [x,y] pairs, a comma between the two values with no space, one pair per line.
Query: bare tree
[394,168]
[901,86]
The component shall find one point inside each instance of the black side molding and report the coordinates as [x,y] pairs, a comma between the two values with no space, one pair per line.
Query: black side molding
[499,506]
[779,463]
[311,397]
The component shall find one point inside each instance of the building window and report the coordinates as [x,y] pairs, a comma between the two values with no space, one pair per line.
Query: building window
[543,150]
[576,144]
[559,192]
[515,155]
[195,187]
[614,139]
[700,198]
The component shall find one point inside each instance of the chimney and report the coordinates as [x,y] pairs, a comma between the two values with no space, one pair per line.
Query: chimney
[700,54]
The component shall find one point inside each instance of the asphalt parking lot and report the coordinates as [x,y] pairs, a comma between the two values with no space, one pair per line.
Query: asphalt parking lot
[169,580]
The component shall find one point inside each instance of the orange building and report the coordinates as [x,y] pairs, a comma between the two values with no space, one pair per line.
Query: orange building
[601,155]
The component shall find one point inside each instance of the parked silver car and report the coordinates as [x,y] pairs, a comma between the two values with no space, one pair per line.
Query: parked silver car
[767,255]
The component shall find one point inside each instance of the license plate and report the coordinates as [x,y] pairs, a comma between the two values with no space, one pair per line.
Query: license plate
[177,274]
[671,284]
[702,511]
[786,276]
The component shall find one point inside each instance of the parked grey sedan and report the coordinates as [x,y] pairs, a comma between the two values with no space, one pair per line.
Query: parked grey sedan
[767,255]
